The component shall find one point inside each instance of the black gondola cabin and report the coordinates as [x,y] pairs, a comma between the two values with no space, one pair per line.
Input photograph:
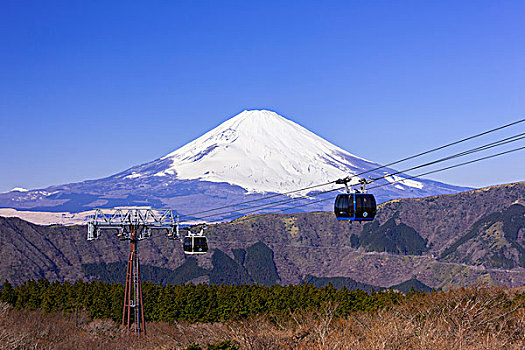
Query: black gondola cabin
[195,244]
[355,207]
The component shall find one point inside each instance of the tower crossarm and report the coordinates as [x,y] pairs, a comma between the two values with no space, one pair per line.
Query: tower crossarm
[141,222]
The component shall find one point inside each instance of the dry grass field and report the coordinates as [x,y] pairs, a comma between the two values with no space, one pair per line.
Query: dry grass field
[472,318]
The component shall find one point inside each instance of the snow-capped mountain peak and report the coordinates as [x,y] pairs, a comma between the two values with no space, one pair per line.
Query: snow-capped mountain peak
[262,151]
[255,152]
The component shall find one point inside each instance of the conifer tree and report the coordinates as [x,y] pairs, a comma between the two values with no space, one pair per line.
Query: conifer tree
[8,294]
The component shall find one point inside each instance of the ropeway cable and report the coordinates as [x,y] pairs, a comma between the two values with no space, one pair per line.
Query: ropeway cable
[362,173]
[451,167]
[285,201]
[356,175]
[265,205]
[400,180]
[448,145]
[460,154]
[282,203]
[423,174]
[258,199]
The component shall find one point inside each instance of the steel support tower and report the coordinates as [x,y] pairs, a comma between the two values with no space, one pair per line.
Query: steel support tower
[133,225]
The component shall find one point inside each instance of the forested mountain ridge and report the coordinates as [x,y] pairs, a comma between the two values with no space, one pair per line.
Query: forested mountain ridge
[422,238]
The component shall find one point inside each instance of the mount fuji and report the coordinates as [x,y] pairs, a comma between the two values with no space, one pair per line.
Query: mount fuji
[250,156]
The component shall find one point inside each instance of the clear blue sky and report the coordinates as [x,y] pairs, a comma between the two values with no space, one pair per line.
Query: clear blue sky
[91,88]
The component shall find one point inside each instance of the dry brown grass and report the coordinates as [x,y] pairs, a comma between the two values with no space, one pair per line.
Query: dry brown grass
[474,318]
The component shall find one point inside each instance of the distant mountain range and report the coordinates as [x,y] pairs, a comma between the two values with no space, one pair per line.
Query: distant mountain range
[438,241]
[255,153]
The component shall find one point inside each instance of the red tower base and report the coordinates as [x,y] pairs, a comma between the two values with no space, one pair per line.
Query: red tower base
[133,311]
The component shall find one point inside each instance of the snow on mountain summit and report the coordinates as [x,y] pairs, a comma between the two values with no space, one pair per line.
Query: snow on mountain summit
[262,151]
[253,153]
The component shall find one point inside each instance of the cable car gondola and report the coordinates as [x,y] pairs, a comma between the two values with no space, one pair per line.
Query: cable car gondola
[355,207]
[195,243]
[358,206]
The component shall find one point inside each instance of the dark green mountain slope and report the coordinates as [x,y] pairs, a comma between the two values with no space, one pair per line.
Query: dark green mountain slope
[259,263]
[412,284]
[496,240]
[226,270]
[392,237]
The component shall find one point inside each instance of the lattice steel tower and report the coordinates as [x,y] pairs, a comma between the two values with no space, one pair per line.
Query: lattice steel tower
[133,225]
